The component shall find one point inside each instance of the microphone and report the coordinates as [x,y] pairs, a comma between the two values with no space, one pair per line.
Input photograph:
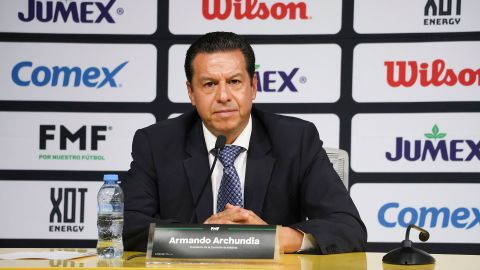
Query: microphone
[219,144]
[407,254]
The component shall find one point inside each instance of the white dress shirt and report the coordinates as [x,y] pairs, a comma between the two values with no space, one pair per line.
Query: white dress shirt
[240,164]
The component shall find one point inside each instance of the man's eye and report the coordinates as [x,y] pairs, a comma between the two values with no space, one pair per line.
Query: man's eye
[234,81]
[209,84]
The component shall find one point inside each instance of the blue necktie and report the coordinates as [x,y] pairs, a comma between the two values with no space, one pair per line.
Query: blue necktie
[230,190]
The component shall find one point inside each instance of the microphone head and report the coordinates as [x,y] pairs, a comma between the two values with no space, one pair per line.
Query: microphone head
[423,236]
[221,141]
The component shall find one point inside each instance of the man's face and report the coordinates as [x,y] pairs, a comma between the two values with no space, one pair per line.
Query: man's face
[222,92]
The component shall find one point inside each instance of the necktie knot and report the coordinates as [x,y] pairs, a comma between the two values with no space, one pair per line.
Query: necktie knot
[228,154]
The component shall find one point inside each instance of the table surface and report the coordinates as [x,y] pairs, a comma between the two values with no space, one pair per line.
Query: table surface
[360,260]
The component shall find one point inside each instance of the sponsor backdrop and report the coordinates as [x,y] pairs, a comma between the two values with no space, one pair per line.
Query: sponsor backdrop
[395,83]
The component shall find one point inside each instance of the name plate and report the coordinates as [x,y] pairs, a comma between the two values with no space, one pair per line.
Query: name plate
[198,241]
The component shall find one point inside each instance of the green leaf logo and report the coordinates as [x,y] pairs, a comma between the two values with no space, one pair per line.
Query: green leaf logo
[435,133]
[257,66]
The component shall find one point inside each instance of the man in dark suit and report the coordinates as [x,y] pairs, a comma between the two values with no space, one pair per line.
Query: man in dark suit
[278,172]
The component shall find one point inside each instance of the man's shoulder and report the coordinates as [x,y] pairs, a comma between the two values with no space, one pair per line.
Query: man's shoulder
[279,122]
[183,122]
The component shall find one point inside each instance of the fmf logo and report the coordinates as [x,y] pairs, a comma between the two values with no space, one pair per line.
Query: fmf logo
[69,11]
[26,73]
[454,150]
[268,80]
[392,214]
[65,210]
[407,73]
[252,9]
[62,134]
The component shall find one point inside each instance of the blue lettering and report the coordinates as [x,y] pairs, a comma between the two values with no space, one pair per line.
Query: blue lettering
[16,73]
[402,221]
[381,215]
[269,78]
[433,151]
[46,11]
[404,216]
[42,75]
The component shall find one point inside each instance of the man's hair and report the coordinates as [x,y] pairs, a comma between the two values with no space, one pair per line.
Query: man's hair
[220,42]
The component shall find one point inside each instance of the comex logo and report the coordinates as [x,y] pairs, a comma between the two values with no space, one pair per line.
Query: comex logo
[25,73]
[460,218]
[251,9]
[434,74]
[453,150]
[266,80]
[78,12]
[442,8]
[64,209]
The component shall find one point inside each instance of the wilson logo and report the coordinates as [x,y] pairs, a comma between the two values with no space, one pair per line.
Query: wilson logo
[453,150]
[407,73]
[252,9]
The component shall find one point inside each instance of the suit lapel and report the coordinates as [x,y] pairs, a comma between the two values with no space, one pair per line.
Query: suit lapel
[197,168]
[259,168]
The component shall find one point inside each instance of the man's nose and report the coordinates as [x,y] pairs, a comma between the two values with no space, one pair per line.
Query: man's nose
[223,93]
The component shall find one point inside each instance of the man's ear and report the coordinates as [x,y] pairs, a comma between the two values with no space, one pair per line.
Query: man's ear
[254,86]
[190,93]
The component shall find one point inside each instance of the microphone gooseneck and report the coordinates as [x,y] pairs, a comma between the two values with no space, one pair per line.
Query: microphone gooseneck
[219,144]
[423,236]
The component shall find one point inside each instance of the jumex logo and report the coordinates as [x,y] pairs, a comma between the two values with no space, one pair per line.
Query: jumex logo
[392,214]
[267,80]
[64,214]
[69,11]
[442,12]
[435,147]
[26,73]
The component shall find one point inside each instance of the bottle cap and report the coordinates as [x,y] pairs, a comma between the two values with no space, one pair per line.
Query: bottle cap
[108,178]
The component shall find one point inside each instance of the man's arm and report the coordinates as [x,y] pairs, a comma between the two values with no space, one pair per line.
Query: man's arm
[332,216]
[139,185]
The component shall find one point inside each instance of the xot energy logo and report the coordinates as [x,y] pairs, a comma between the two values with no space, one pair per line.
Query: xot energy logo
[392,214]
[252,9]
[442,12]
[69,11]
[26,73]
[420,150]
[86,138]
[65,215]
[407,73]
[278,80]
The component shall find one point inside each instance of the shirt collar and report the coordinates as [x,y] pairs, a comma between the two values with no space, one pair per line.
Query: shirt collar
[243,140]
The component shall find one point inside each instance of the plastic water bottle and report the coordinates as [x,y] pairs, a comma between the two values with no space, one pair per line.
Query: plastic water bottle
[110,218]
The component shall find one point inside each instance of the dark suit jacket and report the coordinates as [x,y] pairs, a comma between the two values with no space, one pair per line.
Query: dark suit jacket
[289,179]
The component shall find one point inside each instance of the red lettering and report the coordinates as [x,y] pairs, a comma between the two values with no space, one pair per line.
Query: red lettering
[435,74]
[252,9]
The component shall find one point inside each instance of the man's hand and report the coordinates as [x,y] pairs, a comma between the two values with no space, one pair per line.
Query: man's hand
[290,239]
[235,215]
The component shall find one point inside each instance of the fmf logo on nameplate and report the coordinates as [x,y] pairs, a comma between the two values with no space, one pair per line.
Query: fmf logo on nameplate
[416,72]
[312,76]
[69,141]
[416,16]
[416,142]
[265,17]
[48,209]
[72,72]
[450,212]
[79,17]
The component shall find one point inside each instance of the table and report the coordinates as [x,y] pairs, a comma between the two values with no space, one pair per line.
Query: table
[357,261]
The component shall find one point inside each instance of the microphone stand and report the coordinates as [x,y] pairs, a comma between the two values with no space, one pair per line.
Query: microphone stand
[408,255]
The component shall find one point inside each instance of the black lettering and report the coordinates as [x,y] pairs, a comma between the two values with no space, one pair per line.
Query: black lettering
[56,204]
